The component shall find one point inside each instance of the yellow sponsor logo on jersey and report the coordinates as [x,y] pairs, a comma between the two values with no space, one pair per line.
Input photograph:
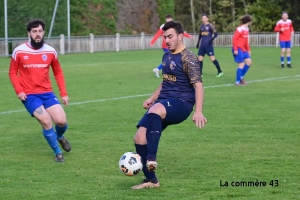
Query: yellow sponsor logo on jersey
[169,77]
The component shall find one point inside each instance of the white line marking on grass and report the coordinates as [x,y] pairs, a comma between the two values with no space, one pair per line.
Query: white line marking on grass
[142,95]
[3,71]
[294,79]
[11,111]
[108,63]
[109,99]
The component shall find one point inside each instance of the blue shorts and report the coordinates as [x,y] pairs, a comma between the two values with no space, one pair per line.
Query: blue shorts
[165,50]
[34,101]
[208,49]
[241,55]
[177,112]
[285,44]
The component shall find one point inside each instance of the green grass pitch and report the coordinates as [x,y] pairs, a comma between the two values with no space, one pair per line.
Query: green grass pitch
[252,134]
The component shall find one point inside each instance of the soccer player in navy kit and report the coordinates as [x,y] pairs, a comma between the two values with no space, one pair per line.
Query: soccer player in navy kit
[172,102]
[207,34]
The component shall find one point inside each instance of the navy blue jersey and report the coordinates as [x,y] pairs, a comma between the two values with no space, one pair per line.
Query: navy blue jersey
[206,32]
[180,71]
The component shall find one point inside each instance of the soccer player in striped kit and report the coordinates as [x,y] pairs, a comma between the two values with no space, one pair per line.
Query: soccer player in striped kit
[285,29]
[29,75]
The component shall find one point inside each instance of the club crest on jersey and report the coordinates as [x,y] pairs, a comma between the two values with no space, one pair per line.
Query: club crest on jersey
[164,64]
[172,65]
[44,56]
[206,28]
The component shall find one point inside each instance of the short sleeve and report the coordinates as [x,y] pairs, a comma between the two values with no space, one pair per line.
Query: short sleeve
[191,66]
[213,28]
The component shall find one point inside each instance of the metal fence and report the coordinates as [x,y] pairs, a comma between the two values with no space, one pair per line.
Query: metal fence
[91,43]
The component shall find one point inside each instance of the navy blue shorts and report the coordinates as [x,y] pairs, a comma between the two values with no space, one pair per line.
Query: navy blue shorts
[208,49]
[33,101]
[177,112]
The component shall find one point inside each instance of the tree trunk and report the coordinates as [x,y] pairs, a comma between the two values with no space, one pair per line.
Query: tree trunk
[193,16]
[245,5]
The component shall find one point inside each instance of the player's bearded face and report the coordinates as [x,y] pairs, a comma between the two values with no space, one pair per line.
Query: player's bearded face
[173,40]
[36,37]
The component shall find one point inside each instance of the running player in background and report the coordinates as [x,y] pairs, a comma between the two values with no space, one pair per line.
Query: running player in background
[159,33]
[241,49]
[172,102]
[29,75]
[207,34]
[285,29]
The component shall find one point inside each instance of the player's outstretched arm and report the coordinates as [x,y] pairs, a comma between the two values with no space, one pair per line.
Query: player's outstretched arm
[185,34]
[156,36]
[198,117]
[148,102]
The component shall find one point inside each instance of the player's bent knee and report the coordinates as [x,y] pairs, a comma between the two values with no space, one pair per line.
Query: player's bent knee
[45,121]
[140,136]
[61,122]
[158,109]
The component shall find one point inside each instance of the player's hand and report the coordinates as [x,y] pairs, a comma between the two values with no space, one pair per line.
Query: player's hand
[148,103]
[199,119]
[282,29]
[197,45]
[22,96]
[151,45]
[65,100]
[249,52]
[191,36]
[235,52]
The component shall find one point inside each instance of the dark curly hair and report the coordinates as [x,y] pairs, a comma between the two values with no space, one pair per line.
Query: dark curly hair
[34,23]
[246,18]
[173,24]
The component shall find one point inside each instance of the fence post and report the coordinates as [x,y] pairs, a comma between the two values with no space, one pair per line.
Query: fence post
[118,42]
[91,43]
[143,40]
[62,44]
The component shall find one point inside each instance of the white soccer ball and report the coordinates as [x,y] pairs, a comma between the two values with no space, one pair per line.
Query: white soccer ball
[130,164]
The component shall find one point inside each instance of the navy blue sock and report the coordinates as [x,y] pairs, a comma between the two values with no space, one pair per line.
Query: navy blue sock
[201,66]
[50,136]
[159,67]
[282,59]
[216,63]
[142,151]
[60,131]
[154,128]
